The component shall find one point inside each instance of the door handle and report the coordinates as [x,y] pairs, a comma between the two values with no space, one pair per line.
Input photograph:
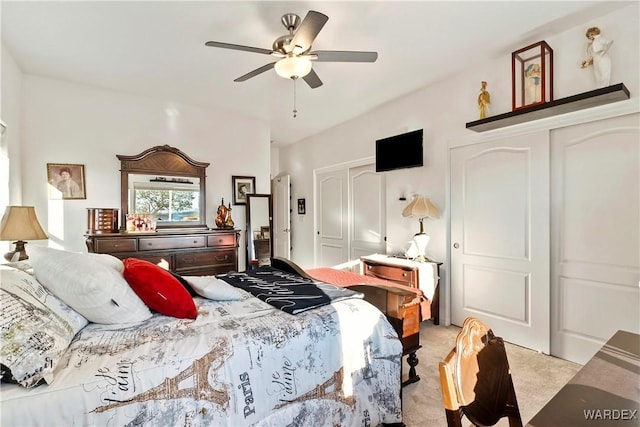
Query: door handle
[456,245]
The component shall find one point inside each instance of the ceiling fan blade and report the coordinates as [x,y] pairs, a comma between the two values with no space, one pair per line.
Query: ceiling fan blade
[312,79]
[255,72]
[344,56]
[308,31]
[239,47]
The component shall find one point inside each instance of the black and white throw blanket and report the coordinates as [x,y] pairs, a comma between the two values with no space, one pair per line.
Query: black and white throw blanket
[288,292]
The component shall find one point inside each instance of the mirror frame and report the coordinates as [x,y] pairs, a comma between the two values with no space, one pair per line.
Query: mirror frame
[249,234]
[162,160]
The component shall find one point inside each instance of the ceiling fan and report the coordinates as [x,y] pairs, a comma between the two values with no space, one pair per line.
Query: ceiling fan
[294,50]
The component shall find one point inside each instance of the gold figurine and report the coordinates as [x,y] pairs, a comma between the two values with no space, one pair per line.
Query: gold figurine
[484,99]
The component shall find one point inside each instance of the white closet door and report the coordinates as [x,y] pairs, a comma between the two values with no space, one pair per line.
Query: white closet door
[595,234]
[368,221]
[500,237]
[331,218]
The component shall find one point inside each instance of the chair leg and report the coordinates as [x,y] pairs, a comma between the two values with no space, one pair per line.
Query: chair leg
[454,418]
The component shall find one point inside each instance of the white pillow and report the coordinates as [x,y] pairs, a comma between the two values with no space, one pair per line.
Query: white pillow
[213,288]
[37,328]
[92,285]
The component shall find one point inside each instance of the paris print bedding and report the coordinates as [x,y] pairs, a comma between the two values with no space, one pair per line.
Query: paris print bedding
[238,363]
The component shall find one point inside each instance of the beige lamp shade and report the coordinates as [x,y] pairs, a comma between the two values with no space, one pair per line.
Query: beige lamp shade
[20,223]
[421,207]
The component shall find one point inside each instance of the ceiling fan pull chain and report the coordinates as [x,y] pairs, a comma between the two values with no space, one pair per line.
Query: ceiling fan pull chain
[295,111]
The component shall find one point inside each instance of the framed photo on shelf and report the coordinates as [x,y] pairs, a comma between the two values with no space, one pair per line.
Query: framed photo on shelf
[531,75]
[241,186]
[266,232]
[66,181]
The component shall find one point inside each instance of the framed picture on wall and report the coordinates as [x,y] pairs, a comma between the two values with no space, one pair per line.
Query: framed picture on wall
[302,206]
[66,181]
[241,186]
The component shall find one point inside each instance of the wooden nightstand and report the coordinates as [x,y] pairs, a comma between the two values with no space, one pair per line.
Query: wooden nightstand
[422,275]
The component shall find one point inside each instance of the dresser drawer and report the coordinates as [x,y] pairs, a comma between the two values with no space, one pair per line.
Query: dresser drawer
[222,240]
[208,258]
[154,244]
[104,246]
[397,274]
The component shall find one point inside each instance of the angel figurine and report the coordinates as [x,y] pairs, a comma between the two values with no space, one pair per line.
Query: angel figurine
[484,99]
[598,56]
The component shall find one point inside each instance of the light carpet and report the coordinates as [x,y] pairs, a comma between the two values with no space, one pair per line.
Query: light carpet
[536,377]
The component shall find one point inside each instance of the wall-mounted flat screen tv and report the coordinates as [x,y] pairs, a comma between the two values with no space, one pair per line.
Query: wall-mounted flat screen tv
[399,152]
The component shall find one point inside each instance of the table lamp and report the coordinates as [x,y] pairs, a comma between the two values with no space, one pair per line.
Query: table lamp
[20,223]
[421,207]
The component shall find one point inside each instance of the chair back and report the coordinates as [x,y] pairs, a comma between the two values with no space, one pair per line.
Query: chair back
[476,380]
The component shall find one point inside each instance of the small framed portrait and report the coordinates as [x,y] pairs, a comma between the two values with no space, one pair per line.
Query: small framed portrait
[302,206]
[241,186]
[66,181]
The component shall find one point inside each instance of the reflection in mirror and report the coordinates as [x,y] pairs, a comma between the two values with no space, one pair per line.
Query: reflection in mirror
[165,198]
[259,225]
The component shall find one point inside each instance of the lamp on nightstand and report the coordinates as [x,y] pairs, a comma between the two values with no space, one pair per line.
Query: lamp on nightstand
[20,223]
[421,207]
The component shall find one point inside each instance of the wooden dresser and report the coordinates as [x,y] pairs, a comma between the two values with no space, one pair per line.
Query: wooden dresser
[422,275]
[194,252]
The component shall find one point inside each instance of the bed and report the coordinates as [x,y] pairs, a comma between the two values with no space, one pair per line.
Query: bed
[239,361]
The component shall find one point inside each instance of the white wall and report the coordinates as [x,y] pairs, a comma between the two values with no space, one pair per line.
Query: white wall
[10,112]
[70,123]
[442,110]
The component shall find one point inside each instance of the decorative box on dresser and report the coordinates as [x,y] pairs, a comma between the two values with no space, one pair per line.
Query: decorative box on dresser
[192,252]
[422,275]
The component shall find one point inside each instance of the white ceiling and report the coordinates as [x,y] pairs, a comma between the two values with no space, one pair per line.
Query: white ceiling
[157,49]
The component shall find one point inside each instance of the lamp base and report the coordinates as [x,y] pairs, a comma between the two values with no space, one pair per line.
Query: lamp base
[19,254]
[422,240]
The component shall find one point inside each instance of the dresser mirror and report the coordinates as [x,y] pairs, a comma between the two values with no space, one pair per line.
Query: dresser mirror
[259,227]
[165,186]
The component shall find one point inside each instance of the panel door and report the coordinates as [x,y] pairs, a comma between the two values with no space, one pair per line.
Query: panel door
[281,190]
[596,235]
[500,237]
[368,221]
[331,218]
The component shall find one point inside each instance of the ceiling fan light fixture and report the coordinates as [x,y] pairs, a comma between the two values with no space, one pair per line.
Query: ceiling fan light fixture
[293,67]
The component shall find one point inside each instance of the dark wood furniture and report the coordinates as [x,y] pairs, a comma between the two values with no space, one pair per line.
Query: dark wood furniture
[604,392]
[476,380]
[195,253]
[408,273]
[186,247]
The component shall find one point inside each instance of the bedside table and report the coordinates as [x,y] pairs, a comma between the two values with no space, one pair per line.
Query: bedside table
[422,275]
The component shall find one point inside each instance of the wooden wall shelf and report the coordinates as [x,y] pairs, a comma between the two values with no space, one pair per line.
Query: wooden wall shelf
[594,98]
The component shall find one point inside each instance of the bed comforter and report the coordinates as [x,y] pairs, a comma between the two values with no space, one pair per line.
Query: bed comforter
[238,363]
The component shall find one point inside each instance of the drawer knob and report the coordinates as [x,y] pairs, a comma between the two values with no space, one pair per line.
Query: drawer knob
[117,245]
[404,274]
[195,241]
